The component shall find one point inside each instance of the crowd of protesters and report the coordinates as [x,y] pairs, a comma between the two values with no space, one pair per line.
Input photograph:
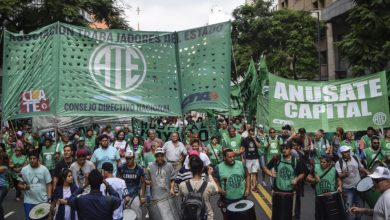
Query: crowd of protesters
[99,161]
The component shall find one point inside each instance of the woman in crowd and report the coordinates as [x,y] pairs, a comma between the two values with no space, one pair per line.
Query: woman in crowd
[17,162]
[136,147]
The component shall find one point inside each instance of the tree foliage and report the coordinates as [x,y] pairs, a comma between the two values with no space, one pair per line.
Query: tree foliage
[367,46]
[28,15]
[288,38]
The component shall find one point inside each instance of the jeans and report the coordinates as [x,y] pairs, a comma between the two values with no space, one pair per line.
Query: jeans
[3,194]
[351,199]
[27,209]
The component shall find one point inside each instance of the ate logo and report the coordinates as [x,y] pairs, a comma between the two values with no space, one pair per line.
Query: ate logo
[285,173]
[117,68]
[234,181]
[34,101]
[324,186]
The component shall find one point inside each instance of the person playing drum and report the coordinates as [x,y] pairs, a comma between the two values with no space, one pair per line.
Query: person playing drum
[326,182]
[233,180]
[289,171]
[381,179]
[348,168]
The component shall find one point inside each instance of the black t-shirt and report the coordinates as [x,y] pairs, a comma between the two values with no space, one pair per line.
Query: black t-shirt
[251,151]
[60,167]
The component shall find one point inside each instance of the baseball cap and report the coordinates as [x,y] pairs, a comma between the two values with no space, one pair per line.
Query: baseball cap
[107,166]
[129,154]
[260,126]
[194,153]
[344,149]
[380,173]
[81,139]
[159,151]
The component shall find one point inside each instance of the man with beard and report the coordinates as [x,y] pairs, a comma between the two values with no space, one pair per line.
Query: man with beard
[365,141]
[373,153]
[233,142]
[326,182]
[160,175]
[36,183]
[233,180]
[106,154]
[289,171]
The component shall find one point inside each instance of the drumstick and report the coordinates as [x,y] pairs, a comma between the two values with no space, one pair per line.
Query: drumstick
[224,183]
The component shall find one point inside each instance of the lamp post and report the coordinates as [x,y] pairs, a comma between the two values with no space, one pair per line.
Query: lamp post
[317,14]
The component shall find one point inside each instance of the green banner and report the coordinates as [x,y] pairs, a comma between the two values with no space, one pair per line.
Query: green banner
[353,104]
[66,70]
[206,129]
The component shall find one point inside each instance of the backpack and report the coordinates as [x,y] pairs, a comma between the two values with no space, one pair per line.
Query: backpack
[193,206]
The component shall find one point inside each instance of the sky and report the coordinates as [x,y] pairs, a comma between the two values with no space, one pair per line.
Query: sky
[176,15]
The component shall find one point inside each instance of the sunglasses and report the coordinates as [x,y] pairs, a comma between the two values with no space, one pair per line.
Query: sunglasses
[129,158]
[375,142]
[272,132]
[377,180]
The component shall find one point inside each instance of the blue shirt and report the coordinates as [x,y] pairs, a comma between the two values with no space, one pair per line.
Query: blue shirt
[110,154]
[132,178]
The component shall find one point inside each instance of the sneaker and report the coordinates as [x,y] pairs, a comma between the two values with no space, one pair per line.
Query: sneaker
[17,199]
[264,184]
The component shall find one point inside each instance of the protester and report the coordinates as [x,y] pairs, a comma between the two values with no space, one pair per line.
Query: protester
[118,185]
[94,205]
[349,142]
[262,137]
[160,175]
[152,138]
[288,173]
[348,168]
[250,146]
[81,168]
[233,180]
[373,153]
[63,191]
[105,153]
[90,140]
[64,164]
[36,182]
[233,142]
[120,144]
[365,141]
[195,184]
[381,179]
[47,156]
[4,184]
[385,145]
[17,162]
[196,151]
[134,176]
[326,181]
[215,151]
[175,151]
[136,147]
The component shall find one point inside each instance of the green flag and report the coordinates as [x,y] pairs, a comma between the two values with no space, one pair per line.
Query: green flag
[262,110]
[353,104]
[236,101]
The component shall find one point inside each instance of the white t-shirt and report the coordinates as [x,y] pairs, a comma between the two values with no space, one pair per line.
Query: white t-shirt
[352,167]
[67,193]
[120,146]
[172,152]
[382,207]
[119,186]
[202,156]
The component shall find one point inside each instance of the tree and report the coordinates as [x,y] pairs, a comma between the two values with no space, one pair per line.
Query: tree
[288,38]
[367,46]
[28,15]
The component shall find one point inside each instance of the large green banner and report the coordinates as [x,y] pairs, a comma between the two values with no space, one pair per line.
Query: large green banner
[205,129]
[66,70]
[353,104]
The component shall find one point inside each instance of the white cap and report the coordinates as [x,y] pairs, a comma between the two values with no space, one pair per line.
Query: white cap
[260,126]
[19,133]
[344,149]
[159,150]
[380,173]
[129,154]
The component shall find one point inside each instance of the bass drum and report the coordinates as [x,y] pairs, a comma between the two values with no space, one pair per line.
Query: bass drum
[165,209]
[333,206]
[129,214]
[40,211]
[243,209]
[376,164]
[367,191]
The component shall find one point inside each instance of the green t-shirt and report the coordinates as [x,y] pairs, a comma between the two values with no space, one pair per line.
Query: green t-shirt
[285,174]
[367,141]
[385,146]
[138,154]
[48,157]
[274,147]
[18,162]
[370,155]
[233,143]
[351,144]
[224,133]
[235,176]
[263,142]
[237,126]
[149,158]
[90,142]
[215,154]
[328,182]
[320,149]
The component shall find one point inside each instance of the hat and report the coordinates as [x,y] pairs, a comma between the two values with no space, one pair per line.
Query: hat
[81,139]
[194,153]
[344,149]
[19,133]
[159,151]
[260,126]
[380,173]
[129,154]
[81,153]
[107,166]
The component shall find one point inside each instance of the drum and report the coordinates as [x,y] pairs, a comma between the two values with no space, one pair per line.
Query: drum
[332,205]
[282,201]
[40,211]
[243,209]
[165,209]
[376,164]
[129,214]
[367,191]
